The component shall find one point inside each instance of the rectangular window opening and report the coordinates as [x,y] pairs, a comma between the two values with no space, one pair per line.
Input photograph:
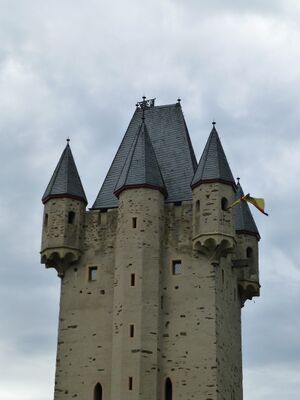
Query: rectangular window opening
[132,279]
[130,383]
[131,330]
[161,302]
[176,267]
[134,221]
[93,273]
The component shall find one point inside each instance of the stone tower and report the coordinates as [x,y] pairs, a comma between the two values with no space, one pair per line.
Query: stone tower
[154,275]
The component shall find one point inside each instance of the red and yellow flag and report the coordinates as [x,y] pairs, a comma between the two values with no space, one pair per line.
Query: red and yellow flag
[259,203]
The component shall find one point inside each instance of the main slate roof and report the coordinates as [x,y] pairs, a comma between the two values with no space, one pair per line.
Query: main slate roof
[141,168]
[65,181]
[244,222]
[173,150]
[213,165]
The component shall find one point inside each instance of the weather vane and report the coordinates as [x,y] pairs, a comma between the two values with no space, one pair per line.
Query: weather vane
[144,104]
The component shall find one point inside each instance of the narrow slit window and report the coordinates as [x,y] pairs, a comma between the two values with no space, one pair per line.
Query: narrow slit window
[224,204]
[176,267]
[130,383]
[131,330]
[132,279]
[161,302]
[223,277]
[46,220]
[134,222]
[249,252]
[71,217]
[93,273]
[197,206]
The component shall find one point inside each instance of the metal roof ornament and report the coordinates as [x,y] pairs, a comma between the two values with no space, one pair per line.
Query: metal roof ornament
[144,104]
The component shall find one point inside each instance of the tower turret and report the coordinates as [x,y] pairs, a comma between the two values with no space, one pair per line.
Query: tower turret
[213,190]
[141,192]
[64,209]
[246,254]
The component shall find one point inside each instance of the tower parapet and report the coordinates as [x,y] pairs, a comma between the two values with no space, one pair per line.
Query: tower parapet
[64,213]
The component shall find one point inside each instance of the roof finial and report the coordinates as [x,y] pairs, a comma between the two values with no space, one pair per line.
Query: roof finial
[214,123]
[238,180]
[68,139]
[179,100]
[144,104]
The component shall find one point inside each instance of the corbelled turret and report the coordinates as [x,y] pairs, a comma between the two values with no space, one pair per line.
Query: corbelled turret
[65,203]
[246,255]
[213,190]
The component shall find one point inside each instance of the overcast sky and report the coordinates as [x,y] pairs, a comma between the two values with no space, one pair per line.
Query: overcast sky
[76,68]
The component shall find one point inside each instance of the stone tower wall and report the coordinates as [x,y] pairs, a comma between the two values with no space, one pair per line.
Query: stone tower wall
[85,320]
[186,324]
[138,255]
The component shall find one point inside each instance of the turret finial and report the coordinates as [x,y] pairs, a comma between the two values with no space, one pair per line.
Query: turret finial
[68,139]
[238,180]
[214,123]
[178,100]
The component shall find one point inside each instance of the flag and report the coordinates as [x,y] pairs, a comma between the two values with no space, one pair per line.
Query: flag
[259,203]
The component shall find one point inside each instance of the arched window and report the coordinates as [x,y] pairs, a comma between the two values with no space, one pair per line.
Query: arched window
[71,217]
[224,203]
[168,389]
[197,206]
[98,392]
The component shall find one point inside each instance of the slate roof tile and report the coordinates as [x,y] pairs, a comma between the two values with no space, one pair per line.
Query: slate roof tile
[213,164]
[244,221]
[65,180]
[141,167]
[173,149]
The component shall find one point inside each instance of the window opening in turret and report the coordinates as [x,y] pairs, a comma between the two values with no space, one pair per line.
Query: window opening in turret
[132,279]
[176,267]
[197,206]
[249,252]
[130,383]
[134,222]
[224,203]
[71,217]
[93,273]
[223,276]
[168,389]
[98,392]
[46,220]
[131,330]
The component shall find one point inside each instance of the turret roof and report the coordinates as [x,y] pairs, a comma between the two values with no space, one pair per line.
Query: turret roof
[244,221]
[173,149]
[65,181]
[213,165]
[141,168]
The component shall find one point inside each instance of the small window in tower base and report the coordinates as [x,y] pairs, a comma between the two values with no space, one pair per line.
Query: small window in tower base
[93,273]
[130,383]
[176,267]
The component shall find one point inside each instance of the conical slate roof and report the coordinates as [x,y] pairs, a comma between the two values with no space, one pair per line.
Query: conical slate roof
[213,165]
[244,222]
[65,181]
[141,168]
[173,149]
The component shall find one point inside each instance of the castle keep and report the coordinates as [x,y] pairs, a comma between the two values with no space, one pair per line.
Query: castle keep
[154,275]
